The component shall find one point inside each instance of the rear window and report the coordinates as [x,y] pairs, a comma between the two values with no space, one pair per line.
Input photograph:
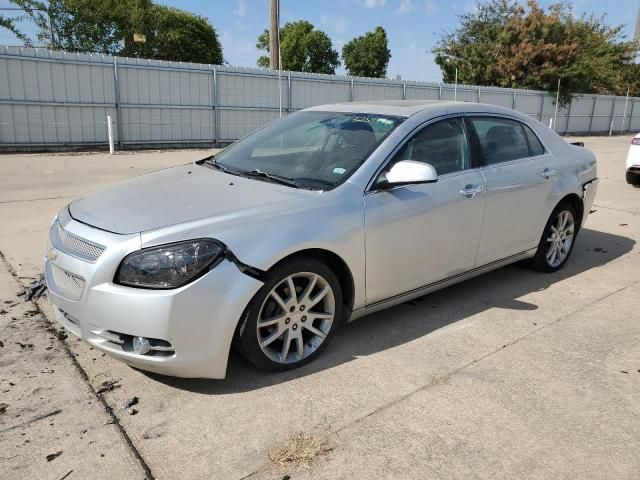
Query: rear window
[535,146]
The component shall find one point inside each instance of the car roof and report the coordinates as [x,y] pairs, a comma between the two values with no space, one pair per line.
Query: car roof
[407,108]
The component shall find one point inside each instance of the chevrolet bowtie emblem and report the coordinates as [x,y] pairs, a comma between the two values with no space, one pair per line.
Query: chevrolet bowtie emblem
[52,255]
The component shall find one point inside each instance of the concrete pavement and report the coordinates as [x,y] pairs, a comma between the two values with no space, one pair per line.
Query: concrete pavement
[513,374]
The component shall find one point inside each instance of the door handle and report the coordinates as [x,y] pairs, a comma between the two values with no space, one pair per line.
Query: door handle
[470,190]
[548,173]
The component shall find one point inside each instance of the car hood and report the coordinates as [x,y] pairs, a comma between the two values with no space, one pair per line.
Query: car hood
[176,195]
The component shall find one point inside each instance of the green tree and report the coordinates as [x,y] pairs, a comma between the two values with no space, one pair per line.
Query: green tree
[108,27]
[10,24]
[505,44]
[367,55]
[302,49]
[173,34]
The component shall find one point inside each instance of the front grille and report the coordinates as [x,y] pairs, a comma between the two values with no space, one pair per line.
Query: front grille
[76,246]
[67,284]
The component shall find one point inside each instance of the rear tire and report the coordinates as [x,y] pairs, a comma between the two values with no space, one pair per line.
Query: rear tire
[280,330]
[558,239]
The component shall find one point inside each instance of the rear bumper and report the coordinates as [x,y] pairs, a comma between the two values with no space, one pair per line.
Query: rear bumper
[633,175]
[197,321]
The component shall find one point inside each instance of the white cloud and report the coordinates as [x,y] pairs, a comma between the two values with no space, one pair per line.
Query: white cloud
[430,7]
[338,25]
[373,3]
[241,11]
[406,6]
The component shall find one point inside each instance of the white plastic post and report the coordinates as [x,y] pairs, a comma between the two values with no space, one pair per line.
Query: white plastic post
[110,134]
[551,124]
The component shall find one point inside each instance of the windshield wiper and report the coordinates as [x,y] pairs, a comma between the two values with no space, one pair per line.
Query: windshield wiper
[316,181]
[271,176]
[210,162]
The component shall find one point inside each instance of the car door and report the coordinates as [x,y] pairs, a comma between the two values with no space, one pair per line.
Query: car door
[519,176]
[419,234]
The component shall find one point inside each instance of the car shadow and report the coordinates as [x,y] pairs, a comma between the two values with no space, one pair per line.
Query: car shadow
[401,324]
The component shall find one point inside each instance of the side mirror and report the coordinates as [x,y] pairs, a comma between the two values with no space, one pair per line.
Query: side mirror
[408,172]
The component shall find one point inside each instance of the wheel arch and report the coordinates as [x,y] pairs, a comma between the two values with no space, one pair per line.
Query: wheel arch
[336,264]
[576,202]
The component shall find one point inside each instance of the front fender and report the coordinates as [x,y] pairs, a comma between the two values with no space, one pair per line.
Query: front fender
[332,221]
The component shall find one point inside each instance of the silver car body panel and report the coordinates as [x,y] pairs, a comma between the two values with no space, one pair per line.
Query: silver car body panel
[397,244]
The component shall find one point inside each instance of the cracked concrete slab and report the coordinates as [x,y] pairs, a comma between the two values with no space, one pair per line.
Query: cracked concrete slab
[51,421]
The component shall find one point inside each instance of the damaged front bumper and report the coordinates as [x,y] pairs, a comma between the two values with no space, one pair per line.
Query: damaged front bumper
[189,329]
[589,191]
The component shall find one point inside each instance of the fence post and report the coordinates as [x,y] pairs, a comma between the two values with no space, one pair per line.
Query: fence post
[593,112]
[440,92]
[289,92]
[613,109]
[566,127]
[110,134]
[513,101]
[624,114]
[404,90]
[351,89]
[633,108]
[116,87]
[212,104]
[541,107]
[216,113]
[478,94]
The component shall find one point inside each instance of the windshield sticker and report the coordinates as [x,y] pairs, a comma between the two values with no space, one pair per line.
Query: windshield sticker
[339,170]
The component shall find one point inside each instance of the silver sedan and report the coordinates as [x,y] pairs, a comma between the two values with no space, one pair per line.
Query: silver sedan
[316,219]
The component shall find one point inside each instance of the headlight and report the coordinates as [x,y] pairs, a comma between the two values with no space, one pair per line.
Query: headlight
[169,266]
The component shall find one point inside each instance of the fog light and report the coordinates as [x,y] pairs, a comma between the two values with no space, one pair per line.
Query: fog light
[141,345]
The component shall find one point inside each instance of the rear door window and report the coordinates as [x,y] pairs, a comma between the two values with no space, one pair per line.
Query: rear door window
[501,139]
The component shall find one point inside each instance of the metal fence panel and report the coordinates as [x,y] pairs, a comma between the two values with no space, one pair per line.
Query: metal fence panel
[307,92]
[52,98]
[416,92]
[376,91]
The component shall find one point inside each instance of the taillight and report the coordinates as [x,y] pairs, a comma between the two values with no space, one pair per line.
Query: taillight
[635,141]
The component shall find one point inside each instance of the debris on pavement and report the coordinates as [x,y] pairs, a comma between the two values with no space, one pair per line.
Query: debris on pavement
[35,290]
[132,411]
[66,475]
[131,402]
[53,456]
[3,407]
[108,386]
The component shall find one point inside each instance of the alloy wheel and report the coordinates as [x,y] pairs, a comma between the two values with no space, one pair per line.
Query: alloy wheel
[560,239]
[296,317]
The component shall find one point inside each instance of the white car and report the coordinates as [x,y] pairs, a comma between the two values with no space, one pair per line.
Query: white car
[633,162]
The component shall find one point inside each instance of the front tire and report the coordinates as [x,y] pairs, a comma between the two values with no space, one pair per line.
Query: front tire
[293,316]
[558,239]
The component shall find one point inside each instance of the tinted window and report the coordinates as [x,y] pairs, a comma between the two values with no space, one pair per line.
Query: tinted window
[442,144]
[501,139]
[535,147]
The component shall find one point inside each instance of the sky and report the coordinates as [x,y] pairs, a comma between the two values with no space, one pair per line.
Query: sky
[413,26]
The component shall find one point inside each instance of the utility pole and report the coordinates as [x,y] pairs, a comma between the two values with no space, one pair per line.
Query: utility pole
[274,34]
[636,35]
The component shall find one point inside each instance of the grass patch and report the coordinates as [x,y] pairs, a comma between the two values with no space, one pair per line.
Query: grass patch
[299,451]
[440,379]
